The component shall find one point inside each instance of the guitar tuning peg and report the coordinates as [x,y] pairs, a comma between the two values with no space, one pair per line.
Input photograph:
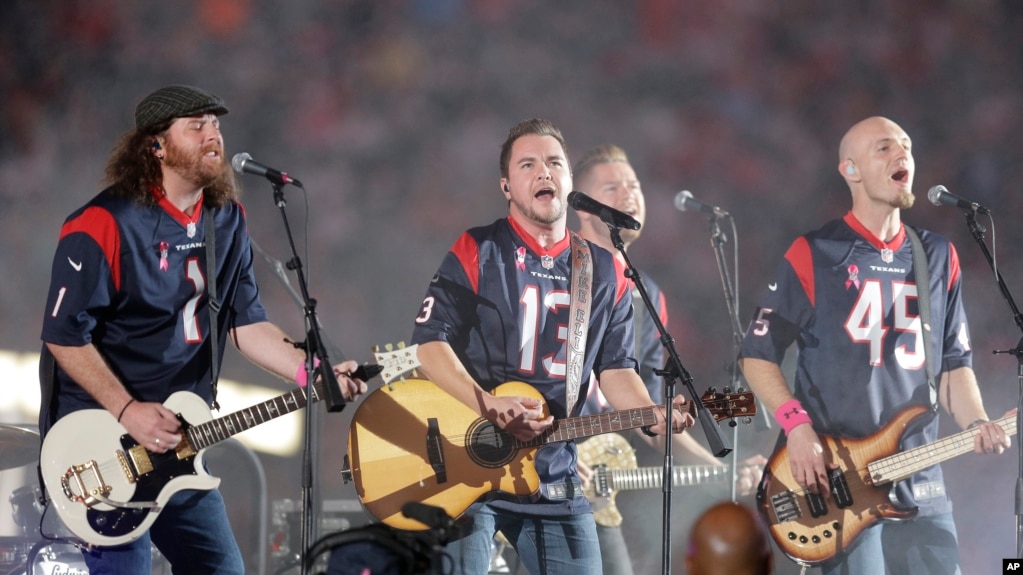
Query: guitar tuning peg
[401,345]
[388,346]
[728,390]
[732,423]
[376,349]
[712,390]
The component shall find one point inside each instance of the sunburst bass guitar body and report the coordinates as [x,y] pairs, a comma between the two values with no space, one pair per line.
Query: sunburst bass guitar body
[812,529]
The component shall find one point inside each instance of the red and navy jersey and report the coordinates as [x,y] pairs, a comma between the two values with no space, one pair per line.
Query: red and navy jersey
[849,301]
[131,279]
[502,302]
[649,349]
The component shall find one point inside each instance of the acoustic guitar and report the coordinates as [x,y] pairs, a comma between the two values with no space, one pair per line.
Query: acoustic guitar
[413,442]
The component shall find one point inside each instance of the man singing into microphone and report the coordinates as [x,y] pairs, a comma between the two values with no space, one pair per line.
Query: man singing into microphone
[127,316]
[848,295]
[605,174]
[500,309]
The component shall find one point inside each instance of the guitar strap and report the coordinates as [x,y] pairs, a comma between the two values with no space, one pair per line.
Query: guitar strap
[579,319]
[923,293]
[214,300]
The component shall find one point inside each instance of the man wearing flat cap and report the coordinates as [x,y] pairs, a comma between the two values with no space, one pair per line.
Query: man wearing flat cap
[128,323]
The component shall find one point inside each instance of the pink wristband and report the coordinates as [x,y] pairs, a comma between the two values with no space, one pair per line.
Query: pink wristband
[791,414]
[301,377]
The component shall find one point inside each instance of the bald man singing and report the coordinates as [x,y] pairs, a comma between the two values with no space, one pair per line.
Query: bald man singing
[847,295]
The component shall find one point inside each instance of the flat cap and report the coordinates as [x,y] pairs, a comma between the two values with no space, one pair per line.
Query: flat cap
[176,101]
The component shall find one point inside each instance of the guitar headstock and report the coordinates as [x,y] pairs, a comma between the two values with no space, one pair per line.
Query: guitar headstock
[395,363]
[730,405]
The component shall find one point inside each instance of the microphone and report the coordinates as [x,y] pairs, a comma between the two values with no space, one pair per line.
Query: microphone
[243,163]
[940,195]
[685,201]
[610,216]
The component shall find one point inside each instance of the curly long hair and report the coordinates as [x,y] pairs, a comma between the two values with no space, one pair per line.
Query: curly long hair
[132,171]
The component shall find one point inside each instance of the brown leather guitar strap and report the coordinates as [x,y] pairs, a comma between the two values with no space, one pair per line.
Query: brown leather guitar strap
[579,319]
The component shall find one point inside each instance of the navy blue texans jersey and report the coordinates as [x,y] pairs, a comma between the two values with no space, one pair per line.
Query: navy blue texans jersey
[649,349]
[502,302]
[131,279]
[849,301]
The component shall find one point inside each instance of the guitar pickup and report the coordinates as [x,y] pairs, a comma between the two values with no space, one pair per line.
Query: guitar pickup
[601,485]
[816,503]
[434,450]
[840,488]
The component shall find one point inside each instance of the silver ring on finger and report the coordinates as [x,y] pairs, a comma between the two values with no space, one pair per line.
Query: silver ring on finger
[156,442]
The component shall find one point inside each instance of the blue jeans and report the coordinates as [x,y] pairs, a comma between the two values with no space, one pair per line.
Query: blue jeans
[192,532]
[924,546]
[613,550]
[547,545]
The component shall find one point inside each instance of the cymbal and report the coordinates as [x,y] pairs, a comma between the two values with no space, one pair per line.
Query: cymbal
[18,446]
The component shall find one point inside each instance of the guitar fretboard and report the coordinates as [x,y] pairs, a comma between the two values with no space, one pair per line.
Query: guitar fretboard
[681,475]
[902,465]
[221,428]
[588,425]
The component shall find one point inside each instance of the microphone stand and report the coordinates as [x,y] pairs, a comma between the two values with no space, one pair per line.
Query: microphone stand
[717,241]
[315,350]
[672,371]
[977,231]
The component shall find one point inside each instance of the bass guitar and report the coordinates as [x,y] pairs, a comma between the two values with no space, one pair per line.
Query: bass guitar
[414,442]
[812,529]
[109,490]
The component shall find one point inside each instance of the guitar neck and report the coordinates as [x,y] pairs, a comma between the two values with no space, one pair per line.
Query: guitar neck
[216,430]
[589,425]
[681,475]
[904,464]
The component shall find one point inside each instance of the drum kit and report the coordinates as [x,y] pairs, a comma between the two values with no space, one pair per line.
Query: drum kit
[20,446]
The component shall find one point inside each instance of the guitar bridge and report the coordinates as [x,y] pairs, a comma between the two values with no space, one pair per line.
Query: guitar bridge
[435,451]
[85,495]
[786,506]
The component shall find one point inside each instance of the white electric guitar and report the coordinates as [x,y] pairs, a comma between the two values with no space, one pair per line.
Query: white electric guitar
[109,490]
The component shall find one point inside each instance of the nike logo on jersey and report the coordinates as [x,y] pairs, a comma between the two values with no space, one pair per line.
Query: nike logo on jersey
[76,265]
[772,286]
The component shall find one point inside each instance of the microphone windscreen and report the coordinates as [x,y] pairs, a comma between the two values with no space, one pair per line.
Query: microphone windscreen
[681,198]
[238,162]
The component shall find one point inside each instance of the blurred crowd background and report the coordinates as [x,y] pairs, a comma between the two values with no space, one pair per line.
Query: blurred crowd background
[391,112]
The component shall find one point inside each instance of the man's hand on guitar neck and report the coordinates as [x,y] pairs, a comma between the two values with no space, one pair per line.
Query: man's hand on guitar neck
[990,438]
[681,419]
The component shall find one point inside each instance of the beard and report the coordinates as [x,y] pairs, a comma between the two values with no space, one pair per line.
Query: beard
[194,167]
[904,200]
[551,217]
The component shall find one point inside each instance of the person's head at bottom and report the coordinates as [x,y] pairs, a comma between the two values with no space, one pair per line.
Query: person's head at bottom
[729,539]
